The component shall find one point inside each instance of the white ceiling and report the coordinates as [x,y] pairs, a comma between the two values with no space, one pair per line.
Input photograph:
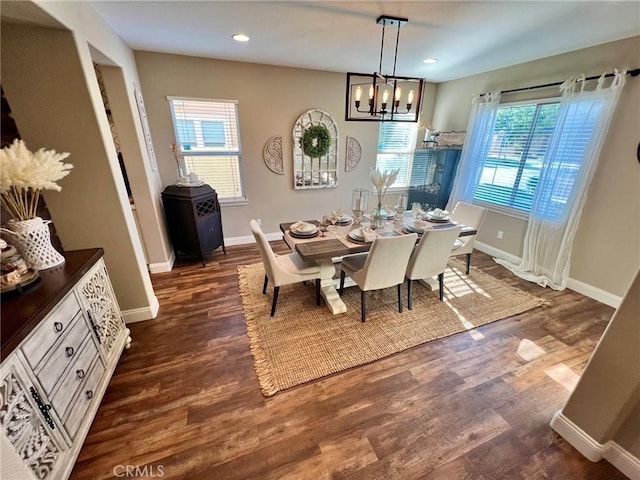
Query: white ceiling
[467,37]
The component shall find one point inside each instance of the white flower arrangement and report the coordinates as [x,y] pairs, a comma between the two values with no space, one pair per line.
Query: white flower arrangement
[382,181]
[23,174]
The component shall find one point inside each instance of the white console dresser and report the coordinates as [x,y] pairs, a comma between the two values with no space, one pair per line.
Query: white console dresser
[61,341]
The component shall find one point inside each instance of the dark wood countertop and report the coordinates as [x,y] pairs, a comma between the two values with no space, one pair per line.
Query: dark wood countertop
[22,312]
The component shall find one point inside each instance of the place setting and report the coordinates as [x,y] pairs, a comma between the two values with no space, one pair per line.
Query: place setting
[337,218]
[362,235]
[438,215]
[303,230]
[425,221]
[415,225]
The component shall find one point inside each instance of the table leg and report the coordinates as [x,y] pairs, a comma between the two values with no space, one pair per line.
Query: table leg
[430,283]
[328,290]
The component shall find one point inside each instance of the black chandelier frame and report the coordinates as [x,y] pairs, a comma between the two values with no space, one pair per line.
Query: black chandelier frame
[384,104]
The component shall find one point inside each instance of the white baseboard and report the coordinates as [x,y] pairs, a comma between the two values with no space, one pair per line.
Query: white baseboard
[594,292]
[573,284]
[623,461]
[594,451]
[577,437]
[141,314]
[249,239]
[495,252]
[162,266]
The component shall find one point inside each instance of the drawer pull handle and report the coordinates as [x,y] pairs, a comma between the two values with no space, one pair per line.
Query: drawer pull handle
[80,373]
[70,351]
[44,409]
[94,326]
[57,326]
[89,394]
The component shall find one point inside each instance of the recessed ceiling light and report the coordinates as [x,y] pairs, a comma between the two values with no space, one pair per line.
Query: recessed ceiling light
[240,37]
[430,60]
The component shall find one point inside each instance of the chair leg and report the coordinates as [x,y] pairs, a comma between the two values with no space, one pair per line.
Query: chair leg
[264,288]
[276,290]
[441,284]
[363,305]
[318,292]
[400,297]
[342,275]
[409,283]
[468,262]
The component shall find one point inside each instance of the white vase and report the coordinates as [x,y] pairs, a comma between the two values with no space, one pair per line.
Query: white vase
[33,239]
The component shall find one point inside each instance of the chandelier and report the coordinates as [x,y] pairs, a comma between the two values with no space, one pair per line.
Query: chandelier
[376,97]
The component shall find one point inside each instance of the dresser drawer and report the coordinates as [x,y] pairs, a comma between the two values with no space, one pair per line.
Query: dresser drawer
[62,354]
[66,389]
[50,330]
[83,399]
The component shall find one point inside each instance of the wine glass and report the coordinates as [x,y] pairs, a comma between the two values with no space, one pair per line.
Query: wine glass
[416,209]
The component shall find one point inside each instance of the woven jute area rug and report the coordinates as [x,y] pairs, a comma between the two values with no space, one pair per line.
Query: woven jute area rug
[304,342]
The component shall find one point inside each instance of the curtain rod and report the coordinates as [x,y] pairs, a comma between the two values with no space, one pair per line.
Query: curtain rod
[634,73]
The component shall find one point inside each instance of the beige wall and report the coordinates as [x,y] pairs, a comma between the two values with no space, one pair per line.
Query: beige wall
[50,83]
[606,401]
[270,100]
[606,251]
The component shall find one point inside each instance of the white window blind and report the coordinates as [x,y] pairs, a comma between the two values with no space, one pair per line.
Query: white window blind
[396,143]
[208,138]
[512,168]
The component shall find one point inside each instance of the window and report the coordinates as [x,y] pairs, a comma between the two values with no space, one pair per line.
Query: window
[396,143]
[208,138]
[520,141]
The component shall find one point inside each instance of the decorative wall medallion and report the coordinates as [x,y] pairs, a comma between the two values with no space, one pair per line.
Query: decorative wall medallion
[354,153]
[273,155]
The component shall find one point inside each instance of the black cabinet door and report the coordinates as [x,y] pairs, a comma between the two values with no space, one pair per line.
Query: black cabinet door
[209,233]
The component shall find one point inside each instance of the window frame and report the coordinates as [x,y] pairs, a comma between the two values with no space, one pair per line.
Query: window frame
[505,209]
[209,149]
[409,151]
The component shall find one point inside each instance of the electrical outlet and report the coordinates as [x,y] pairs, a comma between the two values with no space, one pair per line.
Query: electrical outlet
[500,233]
[259,220]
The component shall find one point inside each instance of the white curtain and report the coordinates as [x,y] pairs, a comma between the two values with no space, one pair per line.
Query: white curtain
[476,147]
[567,169]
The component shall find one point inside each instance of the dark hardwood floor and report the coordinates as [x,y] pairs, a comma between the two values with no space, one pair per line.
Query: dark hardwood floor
[185,403]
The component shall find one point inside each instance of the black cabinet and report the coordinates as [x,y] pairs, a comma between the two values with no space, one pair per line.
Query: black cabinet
[194,220]
[432,175]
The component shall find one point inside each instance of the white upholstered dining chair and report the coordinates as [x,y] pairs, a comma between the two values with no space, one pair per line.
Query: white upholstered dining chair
[471,216]
[429,258]
[382,267]
[283,269]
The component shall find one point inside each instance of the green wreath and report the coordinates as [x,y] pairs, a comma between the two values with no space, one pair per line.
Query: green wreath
[316,141]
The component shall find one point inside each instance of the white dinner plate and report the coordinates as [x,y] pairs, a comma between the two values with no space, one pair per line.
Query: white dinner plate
[305,233]
[356,234]
[438,219]
[416,226]
[305,229]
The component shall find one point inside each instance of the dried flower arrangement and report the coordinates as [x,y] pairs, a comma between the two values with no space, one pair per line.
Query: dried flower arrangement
[23,174]
[382,182]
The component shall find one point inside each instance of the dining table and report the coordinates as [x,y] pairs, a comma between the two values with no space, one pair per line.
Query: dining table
[334,242]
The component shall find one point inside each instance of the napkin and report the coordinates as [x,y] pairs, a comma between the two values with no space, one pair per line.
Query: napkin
[368,234]
[301,226]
